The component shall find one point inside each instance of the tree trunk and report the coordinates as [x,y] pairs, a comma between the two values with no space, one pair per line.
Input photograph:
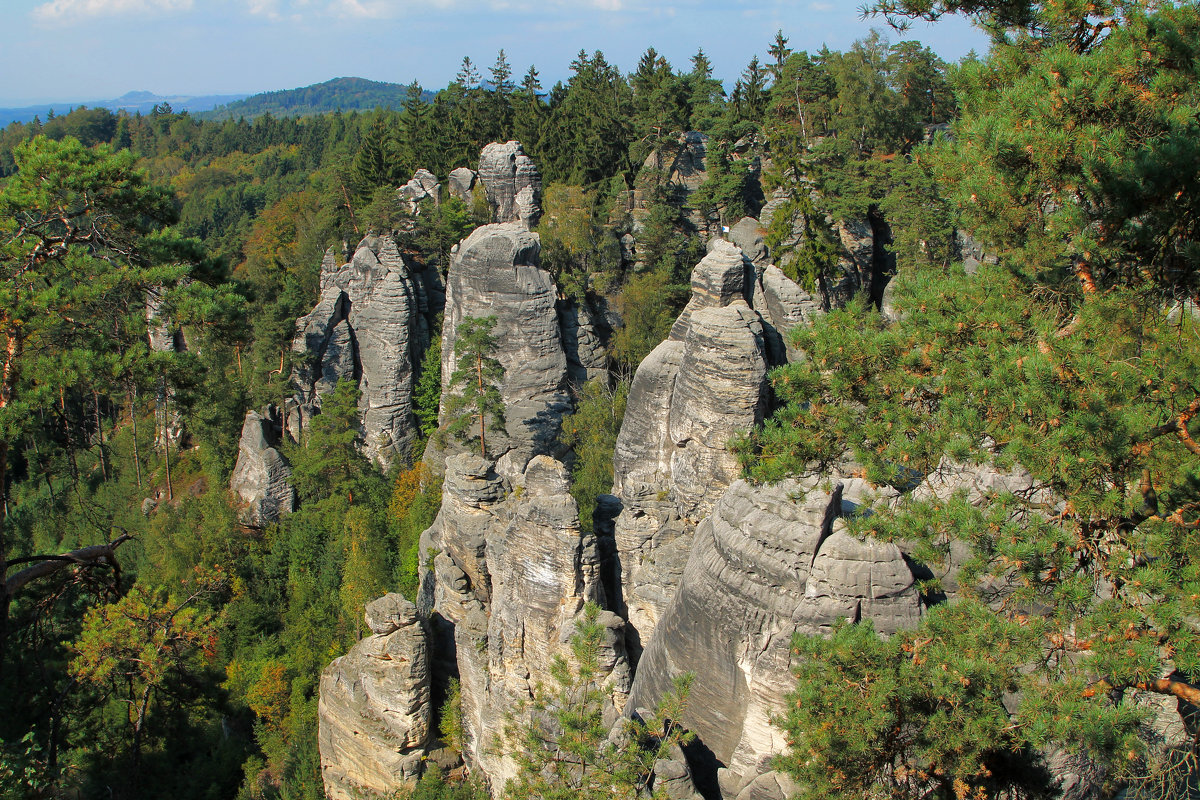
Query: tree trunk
[137,461]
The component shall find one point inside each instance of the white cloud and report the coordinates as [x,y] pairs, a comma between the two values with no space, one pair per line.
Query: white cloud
[821,6]
[57,10]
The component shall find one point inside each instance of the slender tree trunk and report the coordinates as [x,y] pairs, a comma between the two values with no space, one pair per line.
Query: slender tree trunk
[99,433]
[137,460]
[479,372]
[166,429]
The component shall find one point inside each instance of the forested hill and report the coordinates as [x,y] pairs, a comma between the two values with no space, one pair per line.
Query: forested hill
[338,94]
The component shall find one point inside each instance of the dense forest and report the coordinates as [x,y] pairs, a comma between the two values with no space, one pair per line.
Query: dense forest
[152,644]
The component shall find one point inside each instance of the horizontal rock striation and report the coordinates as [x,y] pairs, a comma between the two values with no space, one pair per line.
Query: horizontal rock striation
[495,272]
[768,563]
[511,574]
[374,712]
[512,182]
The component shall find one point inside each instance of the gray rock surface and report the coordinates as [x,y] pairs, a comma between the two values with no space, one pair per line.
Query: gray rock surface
[495,272]
[423,186]
[721,391]
[750,235]
[512,182]
[374,715]
[511,575]
[370,325]
[587,357]
[262,477]
[769,562]
[461,183]
[784,305]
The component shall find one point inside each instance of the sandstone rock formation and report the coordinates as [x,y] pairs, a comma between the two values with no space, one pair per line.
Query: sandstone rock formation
[689,397]
[512,182]
[374,712]
[583,342]
[423,186]
[511,573]
[461,183]
[769,562]
[719,337]
[495,272]
[370,326]
[262,477]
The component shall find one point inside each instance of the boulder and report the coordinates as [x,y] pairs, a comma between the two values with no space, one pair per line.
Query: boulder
[461,183]
[512,182]
[748,234]
[769,562]
[262,477]
[374,712]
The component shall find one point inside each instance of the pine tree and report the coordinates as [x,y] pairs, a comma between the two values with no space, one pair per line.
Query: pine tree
[562,745]
[473,392]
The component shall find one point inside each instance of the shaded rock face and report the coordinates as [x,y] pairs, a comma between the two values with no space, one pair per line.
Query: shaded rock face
[679,166]
[262,477]
[374,717]
[769,562]
[460,184]
[512,182]
[749,234]
[511,574]
[495,272]
[370,325]
[583,338]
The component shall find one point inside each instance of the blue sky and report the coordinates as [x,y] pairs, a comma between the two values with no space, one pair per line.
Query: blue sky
[73,50]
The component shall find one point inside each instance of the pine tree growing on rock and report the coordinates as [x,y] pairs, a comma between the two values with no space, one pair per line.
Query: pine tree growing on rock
[474,390]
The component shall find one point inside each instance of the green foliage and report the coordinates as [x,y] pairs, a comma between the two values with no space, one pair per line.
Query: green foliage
[329,462]
[414,504]
[427,394]
[591,432]
[450,724]
[339,94]
[578,250]
[920,714]
[1068,163]
[978,360]
[562,746]
[473,391]
[433,785]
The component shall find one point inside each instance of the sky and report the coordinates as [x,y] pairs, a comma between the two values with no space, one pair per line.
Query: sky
[78,50]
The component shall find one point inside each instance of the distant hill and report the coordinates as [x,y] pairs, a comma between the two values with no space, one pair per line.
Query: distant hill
[132,102]
[346,94]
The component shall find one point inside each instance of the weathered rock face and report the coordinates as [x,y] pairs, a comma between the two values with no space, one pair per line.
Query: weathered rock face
[681,167]
[749,234]
[511,575]
[370,325]
[769,562]
[495,272]
[423,186]
[583,342]
[374,712]
[688,398]
[461,183]
[512,182]
[262,477]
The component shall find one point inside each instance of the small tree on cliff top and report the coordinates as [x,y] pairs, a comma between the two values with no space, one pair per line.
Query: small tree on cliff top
[474,385]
